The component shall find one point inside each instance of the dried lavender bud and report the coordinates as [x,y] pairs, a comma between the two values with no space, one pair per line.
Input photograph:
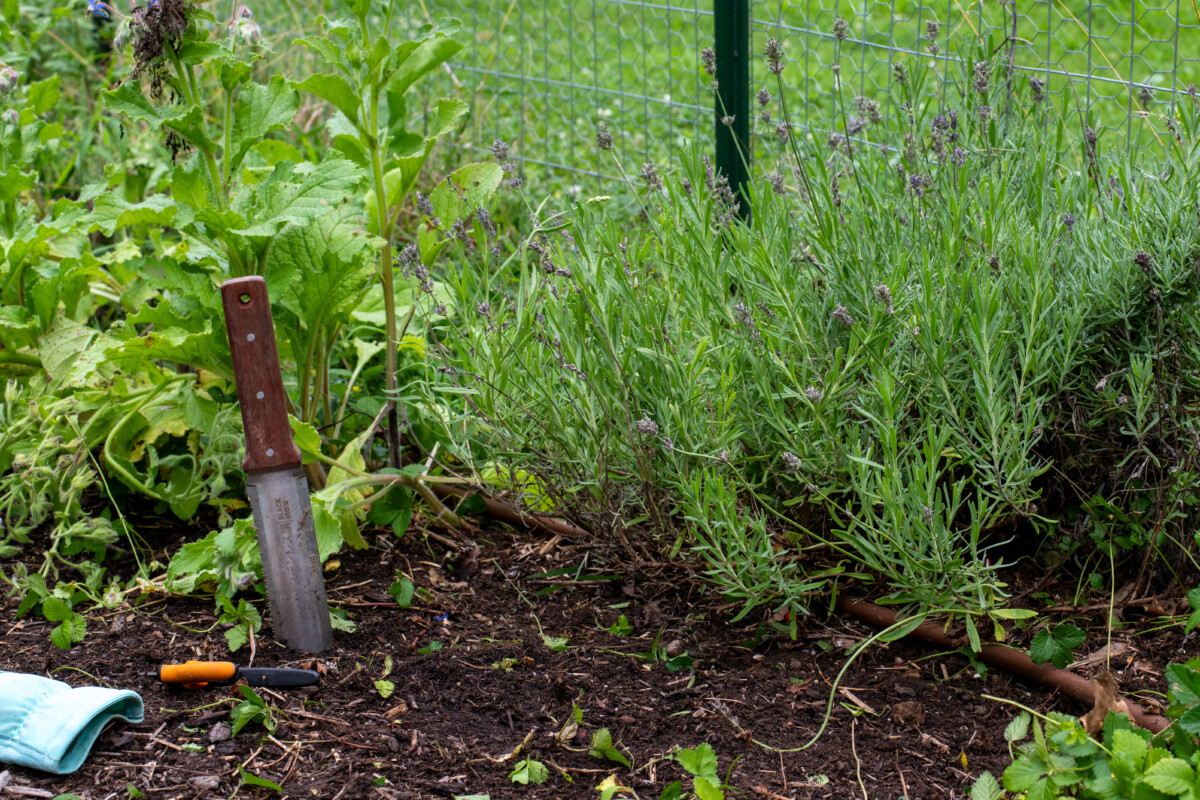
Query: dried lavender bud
[774,54]
[1145,96]
[814,394]
[686,185]
[765,116]
[790,462]
[1142,259]
[843,316]
[1103,382]
[647,426]
[868,109]
[959,157]
[900,73]
[649,173]
[485,220]
[763,97]
[833,187]
[604,139]
[500,150]
[1115,186]
[1069,221]
[440,309]
[884,295]
[484,309]
[783,132]
[983,77]
[985,113]
[727,120]
[777,184]
[931,30]
[994,262]
[1036,90]
[840,29]
[708,57]
[723,456]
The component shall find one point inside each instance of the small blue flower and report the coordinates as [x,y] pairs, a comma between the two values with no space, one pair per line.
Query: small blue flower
[97,8]
[959,157]
[444,616]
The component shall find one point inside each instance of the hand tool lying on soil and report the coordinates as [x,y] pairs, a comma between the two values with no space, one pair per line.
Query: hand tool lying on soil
[198,674]
[275,483]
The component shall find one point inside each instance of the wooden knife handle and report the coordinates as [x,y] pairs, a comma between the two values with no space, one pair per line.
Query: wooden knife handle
[269,443]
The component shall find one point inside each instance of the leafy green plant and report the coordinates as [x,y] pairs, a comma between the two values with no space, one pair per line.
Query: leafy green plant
[529,771]
[1056,645]
[1062,760]
[701,763]
[253,709]
[602,747]
[244,619]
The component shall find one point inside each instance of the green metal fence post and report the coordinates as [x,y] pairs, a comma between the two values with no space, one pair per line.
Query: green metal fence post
[731,39]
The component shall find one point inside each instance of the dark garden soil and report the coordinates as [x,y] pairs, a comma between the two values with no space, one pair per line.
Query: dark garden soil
[908,723]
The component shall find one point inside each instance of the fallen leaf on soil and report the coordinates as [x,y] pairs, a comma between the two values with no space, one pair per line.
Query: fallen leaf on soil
[204,783]
[909,714]
[395,712]
[652,615]
[1108,698]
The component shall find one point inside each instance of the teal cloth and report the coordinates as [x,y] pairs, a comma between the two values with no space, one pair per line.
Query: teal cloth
[48,725]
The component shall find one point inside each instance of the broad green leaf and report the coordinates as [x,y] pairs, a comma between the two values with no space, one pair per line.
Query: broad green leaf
[258,110]
[336,90]
[464,190]
[236,636]
[1022,774]
[529,772]
[701,761]
[385,688]
[328,527]
[1171,776]
[306,438]
[986,788]
[707,789]
[70,632]
[1018,729]
[187,121]
[1194,603]
[424,58]
[402,591]
[13,182]
[602,745]
[110,212]
[41,96]
[672,791]
[56,610]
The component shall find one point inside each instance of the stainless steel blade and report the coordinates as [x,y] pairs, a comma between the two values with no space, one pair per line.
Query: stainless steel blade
[287,541]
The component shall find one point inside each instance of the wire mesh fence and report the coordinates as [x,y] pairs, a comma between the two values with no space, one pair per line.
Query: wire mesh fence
[548,75]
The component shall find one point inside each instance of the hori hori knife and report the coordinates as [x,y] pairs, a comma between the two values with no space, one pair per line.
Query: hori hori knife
[275,482]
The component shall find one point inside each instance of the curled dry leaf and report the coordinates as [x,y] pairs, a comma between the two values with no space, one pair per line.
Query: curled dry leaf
[1108,698]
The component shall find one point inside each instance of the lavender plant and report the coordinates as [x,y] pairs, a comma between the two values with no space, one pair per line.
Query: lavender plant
[899,360]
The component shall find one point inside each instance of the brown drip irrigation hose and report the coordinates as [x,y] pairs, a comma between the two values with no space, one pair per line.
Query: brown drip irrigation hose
[517,517]
[1005,658]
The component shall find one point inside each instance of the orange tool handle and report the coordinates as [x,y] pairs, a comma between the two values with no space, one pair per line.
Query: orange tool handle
[197,672]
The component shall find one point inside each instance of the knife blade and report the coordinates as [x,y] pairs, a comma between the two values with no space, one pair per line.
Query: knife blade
[275,483]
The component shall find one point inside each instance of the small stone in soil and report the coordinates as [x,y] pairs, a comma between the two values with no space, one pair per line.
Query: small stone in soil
[219,733]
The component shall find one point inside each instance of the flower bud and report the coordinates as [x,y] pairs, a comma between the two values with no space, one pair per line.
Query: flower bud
[8,78]
[10,117]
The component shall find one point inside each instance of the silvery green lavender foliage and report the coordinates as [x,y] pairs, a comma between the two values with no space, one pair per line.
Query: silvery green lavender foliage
[902,360]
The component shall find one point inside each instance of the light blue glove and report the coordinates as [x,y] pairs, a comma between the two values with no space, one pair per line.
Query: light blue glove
[47,725]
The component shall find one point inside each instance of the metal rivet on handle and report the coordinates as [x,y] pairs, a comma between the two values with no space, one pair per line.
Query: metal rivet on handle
[260,395]
[270,452]
[249,337]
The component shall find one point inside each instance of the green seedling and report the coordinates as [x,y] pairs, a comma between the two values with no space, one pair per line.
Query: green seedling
[529,772]
[1056,645]
[602,747]
[253,709]
[244,618]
